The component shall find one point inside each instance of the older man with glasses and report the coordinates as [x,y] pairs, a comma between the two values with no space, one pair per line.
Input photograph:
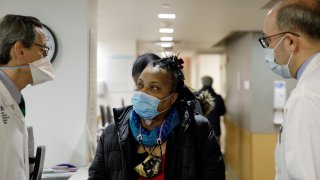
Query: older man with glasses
[291,40]
[23,61]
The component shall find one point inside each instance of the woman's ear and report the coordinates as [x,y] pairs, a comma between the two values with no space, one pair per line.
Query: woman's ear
[174,98]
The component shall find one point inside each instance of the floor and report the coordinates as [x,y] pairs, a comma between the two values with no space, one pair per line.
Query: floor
[230,175]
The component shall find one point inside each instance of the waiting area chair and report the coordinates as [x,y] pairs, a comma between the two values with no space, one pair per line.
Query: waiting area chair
[35,161]
[38,161]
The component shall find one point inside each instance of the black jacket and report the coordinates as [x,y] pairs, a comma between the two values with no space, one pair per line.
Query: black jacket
[192,151]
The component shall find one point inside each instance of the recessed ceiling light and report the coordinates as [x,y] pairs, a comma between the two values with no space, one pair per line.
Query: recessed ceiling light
[166,30]
[167,45]
[166,16]
[166,6]
[166,38]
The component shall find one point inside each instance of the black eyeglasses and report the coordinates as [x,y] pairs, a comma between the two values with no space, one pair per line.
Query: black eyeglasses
[45,49]
[264,40]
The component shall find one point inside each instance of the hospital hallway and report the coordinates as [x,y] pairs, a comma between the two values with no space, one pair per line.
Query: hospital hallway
[97,43]
[248,88]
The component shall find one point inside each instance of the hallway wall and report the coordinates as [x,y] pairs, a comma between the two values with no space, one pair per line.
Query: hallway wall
[251,134]
[250,155]
[250,85]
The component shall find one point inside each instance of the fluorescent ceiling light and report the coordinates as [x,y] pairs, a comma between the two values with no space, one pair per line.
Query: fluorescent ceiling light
[166,38]
[166,30]
[166,16]
[166,45]
[167,6]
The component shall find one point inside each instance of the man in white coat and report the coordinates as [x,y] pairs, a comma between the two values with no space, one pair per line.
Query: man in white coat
[291,38]
[22,62]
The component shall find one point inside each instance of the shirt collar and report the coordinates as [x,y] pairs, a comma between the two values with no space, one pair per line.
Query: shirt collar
[8,83]
[304,65]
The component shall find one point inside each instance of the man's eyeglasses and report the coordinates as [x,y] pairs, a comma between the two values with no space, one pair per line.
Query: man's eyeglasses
[264,40]
[45,49]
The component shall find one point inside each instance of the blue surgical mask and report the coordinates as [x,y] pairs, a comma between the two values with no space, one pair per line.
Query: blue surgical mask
[282,70]
[145,105]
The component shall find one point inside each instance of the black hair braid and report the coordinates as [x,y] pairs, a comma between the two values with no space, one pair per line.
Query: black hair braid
[177,68]
[175,65]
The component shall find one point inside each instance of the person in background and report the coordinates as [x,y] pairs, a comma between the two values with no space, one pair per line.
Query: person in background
[219,108]
[291,39]
[142,62]
[160,136]
[22,62]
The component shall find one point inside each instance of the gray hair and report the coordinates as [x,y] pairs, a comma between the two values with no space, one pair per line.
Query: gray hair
[298,18]
[207,81]
[15,28]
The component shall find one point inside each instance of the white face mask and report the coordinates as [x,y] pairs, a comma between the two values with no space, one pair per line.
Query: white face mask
[282,70]
[41,71]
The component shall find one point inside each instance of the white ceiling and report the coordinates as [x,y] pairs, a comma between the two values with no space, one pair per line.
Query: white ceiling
[199,24]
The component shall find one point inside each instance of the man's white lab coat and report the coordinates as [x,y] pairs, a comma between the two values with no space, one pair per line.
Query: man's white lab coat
[298,148]
[14,158]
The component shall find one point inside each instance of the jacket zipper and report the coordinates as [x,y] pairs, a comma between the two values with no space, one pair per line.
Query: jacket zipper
[121,149]
[183,129]
[123,160]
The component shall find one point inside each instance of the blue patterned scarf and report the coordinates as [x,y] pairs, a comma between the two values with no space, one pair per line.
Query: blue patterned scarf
[150,138]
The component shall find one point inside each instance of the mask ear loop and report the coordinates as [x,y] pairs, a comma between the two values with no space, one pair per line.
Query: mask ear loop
[164,109]
[279,42]
[290,59]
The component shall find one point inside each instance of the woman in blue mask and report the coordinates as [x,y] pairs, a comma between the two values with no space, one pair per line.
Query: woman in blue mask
[160,136]
[204,101]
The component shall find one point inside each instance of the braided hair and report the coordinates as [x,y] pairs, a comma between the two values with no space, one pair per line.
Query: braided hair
[173,65]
